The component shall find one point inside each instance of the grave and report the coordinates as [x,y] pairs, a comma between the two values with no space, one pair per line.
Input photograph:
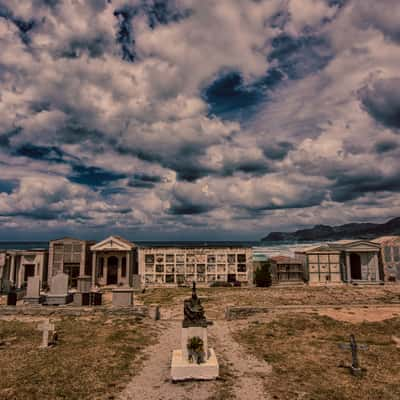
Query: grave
[354,347]
[194,360]
[49,334]
[122,297]
[82,296]
[84,284]
[33,290]
[59,290]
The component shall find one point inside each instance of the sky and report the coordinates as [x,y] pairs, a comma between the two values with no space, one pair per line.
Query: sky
[197,120]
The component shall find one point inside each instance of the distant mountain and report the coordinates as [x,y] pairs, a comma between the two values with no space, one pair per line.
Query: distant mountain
[347,231]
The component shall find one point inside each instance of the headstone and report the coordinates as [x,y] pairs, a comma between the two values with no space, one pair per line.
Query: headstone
[33,290]
[122,297]
[84,284]
[195,360]
[81,299]
[59,290]
[49,335]
[136,282]
[354,347]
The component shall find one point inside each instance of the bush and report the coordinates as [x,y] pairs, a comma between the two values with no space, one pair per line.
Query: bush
[220,284]
[262,275]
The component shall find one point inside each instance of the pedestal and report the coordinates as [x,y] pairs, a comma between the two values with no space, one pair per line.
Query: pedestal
[58,300]
[182,368]
[122,297]
[81,299]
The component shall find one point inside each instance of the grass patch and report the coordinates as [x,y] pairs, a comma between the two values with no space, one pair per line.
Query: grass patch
[306,363]
[93,359]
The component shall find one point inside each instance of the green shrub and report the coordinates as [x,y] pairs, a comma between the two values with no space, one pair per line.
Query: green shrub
[262,275]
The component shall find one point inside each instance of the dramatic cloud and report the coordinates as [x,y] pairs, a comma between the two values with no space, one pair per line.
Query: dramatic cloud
[227,118]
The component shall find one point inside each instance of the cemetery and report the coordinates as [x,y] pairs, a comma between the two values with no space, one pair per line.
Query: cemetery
[177,343]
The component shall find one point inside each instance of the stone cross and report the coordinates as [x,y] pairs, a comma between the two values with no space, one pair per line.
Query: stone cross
[46,327]
[354,347]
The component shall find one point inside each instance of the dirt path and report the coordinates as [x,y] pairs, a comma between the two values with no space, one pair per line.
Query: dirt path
[249,373]
[153,381]
[244,379]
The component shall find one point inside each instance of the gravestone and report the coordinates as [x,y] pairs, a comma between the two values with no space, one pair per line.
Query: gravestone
[84,284]
[82,296]
[33,290]
[122,297]
[59,290]
[49,335]
[195,360]
[354,347]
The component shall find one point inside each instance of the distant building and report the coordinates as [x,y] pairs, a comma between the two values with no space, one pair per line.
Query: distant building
[287,269]
[17,266]
[114,262]
[71,256]
[204,265]
[390,257]
[349,261]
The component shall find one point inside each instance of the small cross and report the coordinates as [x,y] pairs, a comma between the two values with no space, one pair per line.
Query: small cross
[46,327]
[354,347]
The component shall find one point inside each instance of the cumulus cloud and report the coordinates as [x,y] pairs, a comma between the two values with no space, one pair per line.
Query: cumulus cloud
[194,115]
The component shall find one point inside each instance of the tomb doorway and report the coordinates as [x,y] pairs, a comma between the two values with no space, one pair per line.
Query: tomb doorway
[355,266]
[29,271]
[112,271]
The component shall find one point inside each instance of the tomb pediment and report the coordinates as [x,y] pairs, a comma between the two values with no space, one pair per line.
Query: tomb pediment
[113,243]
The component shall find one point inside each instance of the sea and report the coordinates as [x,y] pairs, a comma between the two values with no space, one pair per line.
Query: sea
[260,249]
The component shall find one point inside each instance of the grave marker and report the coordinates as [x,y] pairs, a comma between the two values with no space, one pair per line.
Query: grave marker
[49,336]
[354,347]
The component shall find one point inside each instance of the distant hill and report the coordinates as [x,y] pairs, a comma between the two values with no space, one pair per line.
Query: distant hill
[347,231]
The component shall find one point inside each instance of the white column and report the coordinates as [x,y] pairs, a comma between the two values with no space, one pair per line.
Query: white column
[12,272]
[348,269]
[119,269]
[129,268]
[376,262]
[94,269]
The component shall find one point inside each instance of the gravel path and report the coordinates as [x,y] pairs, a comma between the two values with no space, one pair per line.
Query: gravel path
[153,381]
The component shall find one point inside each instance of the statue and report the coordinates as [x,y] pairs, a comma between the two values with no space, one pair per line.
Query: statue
[194,311]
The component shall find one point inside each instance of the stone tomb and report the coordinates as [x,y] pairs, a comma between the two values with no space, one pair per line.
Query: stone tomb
[49,334]
[122,297]
[59,290]
[194,360]
[33,290]
[82,296]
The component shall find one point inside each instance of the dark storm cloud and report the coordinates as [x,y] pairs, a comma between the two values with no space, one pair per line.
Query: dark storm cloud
[24,26]
[352,186]
[144,181]
[7,186]
[382,101]
[278,151]
[185,207]
[157,12]
[93,176]
[385,146]
[52,153]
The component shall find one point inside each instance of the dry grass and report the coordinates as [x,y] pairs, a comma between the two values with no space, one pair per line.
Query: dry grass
[303,351]
[216,299]
[94,358]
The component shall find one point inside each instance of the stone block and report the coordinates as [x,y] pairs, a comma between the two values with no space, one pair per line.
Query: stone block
[182,369]
[122,297]
[81,299]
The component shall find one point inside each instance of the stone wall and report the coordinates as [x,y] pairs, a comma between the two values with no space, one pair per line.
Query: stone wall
[39,311]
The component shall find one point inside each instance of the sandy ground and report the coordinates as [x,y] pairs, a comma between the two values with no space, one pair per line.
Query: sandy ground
[153,382]
[357,315]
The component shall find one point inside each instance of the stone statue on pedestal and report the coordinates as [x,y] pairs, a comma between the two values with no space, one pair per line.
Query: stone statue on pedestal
[193,311]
